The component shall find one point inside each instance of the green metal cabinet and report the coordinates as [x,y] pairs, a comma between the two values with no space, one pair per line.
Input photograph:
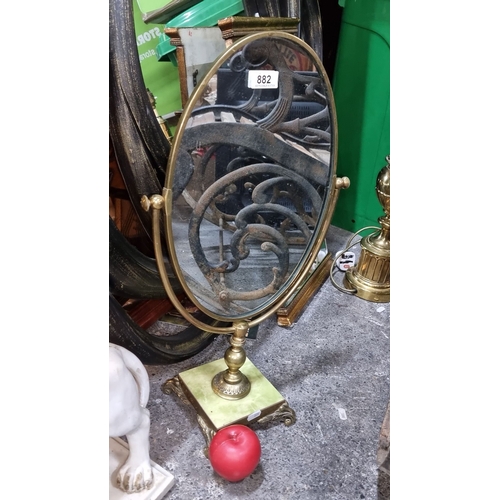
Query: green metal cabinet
[361,86]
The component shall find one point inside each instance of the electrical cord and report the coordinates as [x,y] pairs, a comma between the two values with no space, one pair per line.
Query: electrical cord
[334,269]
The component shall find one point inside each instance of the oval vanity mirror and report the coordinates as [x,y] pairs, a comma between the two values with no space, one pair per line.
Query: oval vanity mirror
[250,183]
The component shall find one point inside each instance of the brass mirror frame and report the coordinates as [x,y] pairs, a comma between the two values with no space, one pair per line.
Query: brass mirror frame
[164,202]
[232,383]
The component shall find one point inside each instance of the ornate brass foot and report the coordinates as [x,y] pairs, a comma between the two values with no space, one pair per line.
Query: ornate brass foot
[207,432]
[174,385]
[283,413]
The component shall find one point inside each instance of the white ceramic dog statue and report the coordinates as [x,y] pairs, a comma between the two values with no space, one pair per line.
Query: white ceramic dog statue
[128,416]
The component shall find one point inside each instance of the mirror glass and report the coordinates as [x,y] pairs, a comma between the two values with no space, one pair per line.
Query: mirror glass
[250,176]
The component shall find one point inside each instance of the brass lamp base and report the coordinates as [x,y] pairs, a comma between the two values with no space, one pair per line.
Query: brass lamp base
[263,404]
[365,288]
[370,277]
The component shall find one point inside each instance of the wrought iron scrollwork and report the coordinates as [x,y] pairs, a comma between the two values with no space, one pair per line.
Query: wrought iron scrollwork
[253,166]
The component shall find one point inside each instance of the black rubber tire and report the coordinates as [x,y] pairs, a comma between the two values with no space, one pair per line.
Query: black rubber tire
[133,275]
[141,150]
[150,349]
[311,30]
[140,145]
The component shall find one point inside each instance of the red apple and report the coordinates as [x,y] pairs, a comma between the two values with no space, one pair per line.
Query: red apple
[234,452]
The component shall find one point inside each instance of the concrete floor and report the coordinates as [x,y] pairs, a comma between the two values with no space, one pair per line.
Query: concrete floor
[332,367]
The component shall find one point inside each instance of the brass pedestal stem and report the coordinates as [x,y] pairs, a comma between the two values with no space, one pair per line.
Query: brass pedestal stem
[370,278]
[232,383]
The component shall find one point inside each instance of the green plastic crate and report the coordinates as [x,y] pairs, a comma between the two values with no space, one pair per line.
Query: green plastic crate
[161,79]
[205,14]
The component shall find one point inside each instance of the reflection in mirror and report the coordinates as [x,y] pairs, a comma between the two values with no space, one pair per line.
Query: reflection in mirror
[251,174]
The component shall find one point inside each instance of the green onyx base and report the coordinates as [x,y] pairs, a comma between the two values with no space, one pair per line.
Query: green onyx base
[262,401]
